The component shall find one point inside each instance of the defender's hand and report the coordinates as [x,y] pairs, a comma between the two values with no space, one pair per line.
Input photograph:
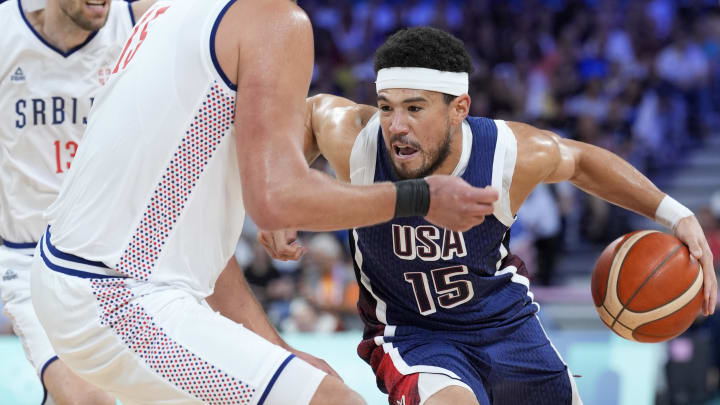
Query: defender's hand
[281,245]
[689,231]
[456,205]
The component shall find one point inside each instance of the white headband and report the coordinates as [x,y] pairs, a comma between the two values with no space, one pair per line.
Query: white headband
[454,83]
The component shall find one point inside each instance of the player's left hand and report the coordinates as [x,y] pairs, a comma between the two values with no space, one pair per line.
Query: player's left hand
[316,362]
[689,231]
[281,245]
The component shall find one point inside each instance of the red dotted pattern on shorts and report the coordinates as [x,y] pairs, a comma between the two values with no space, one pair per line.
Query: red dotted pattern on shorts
[162,354]
[214,119]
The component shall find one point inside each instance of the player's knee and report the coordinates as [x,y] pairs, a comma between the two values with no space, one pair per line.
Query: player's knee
[453,395]
[332,391]
[354,398]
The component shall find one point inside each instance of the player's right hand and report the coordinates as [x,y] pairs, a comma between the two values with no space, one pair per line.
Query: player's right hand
[456,205]
[281,245]
[689,231]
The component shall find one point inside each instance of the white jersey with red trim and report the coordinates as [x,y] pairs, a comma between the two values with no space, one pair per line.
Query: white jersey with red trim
[45,97]
[154,192]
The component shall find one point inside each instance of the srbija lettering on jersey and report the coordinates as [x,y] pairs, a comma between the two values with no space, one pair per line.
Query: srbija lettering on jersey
[45,98]
[155,190]
[414,273]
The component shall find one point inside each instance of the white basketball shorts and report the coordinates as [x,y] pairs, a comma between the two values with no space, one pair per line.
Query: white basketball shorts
[15,262]
[151,344]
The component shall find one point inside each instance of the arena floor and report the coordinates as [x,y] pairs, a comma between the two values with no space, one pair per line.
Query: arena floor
[614,371]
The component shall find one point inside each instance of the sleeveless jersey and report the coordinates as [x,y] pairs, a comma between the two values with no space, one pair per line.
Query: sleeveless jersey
[45,97]
[413,273]
[154,192]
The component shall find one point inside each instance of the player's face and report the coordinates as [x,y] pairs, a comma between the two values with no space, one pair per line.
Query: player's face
[416,128]
[89,15]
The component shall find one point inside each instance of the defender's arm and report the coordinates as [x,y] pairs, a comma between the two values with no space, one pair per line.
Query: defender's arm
[267,48]
[273,56]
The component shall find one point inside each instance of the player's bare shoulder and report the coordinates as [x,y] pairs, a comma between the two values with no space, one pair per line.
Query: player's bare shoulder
[335,122]
[335,116]
[540,153]
[278,16]
[255,31]
[140,7]
[541,158]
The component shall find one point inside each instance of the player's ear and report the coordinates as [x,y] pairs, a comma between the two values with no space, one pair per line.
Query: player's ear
[459,109]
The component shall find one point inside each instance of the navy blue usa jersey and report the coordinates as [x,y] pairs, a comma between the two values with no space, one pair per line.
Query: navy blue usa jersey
[414,273]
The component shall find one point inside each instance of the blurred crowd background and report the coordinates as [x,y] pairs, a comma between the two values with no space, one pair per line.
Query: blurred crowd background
[638,77]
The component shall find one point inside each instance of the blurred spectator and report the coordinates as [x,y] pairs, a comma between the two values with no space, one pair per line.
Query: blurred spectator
[328,280]
[274,283]
[540,215]
[690,360]
[710,220]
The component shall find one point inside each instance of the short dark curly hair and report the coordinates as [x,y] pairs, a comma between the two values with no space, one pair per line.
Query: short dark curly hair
[424,47]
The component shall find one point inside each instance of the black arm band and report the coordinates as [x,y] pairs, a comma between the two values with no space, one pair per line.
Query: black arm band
[412,198]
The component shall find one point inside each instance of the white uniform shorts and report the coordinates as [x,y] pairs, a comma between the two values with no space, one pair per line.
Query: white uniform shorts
[15,262]
[151,344]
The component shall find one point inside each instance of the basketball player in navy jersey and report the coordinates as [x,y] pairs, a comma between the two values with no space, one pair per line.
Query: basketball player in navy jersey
[449,318]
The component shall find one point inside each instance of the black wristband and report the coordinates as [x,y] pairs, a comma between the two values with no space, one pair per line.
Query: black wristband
[412,198]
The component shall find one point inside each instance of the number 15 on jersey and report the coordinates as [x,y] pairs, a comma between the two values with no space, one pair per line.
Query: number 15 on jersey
[450,291]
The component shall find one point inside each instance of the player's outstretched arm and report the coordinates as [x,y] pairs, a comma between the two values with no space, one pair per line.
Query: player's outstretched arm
[267,47]
[545,157]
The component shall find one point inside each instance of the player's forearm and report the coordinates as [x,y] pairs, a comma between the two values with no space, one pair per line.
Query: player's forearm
[316,202]
[234,300]
[605,175]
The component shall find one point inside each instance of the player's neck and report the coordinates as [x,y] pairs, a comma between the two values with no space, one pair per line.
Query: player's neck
[57,28]
[453,157]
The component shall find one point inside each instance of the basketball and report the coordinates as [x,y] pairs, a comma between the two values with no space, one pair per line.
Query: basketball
[647,287]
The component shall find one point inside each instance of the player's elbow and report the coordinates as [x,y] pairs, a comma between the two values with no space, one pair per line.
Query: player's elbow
[269,211]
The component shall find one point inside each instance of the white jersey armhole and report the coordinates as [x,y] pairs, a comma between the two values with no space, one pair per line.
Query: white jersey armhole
[467,143]
[211,62]
[364,153]
[502,171]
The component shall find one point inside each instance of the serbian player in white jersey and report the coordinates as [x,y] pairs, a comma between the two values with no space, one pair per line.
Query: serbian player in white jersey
[204,94]
[56,57]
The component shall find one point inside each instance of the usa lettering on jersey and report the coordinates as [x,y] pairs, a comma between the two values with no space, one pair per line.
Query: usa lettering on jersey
[426,242]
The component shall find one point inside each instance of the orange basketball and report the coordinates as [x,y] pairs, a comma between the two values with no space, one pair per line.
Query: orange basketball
[647,287]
